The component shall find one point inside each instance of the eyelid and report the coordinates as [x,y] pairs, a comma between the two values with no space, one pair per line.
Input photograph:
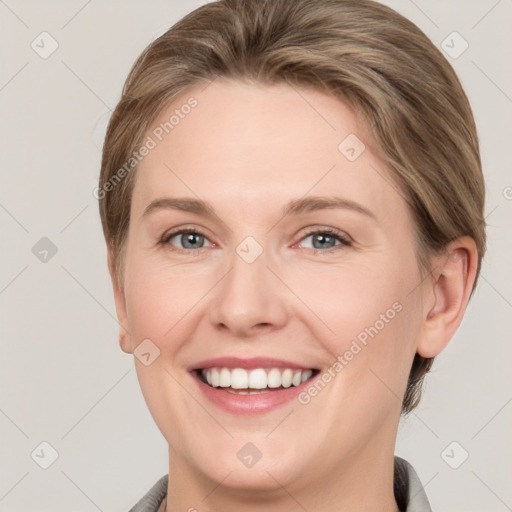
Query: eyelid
[168,235]
[344,239]
[311,230]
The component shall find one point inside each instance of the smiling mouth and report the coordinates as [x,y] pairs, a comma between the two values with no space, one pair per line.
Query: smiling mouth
[256,381]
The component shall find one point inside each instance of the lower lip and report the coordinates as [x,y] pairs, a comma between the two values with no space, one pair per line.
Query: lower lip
[249,404]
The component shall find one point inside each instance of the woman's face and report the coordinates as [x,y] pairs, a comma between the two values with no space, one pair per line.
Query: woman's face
[302,267]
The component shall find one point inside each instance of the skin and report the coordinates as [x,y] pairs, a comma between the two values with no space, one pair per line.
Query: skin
[249,149]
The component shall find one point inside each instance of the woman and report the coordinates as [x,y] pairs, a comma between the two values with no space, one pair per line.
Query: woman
[292,198]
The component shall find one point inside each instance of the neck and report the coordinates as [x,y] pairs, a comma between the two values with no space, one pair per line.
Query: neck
[365,482]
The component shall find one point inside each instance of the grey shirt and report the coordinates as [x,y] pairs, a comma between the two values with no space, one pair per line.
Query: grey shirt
[409,492]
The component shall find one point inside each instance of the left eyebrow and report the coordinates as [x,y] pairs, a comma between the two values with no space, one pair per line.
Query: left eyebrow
[314,203]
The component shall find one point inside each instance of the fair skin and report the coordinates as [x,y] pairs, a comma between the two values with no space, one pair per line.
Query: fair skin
[249,150]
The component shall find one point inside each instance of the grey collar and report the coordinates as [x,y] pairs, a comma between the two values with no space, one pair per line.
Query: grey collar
[409,492]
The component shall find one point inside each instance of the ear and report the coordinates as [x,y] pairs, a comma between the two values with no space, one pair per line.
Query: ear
[447,295]
[124,336]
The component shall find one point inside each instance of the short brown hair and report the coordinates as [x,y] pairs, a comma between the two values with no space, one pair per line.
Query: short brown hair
[360,51]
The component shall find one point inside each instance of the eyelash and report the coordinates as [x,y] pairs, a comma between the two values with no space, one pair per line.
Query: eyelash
[344,240]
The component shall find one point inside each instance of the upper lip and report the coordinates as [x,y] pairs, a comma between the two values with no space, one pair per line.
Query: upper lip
[248,363]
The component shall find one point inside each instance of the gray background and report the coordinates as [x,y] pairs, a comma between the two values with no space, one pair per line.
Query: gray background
[64,379]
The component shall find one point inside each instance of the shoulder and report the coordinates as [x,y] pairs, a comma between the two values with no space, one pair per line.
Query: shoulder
[152,500]
[409,492]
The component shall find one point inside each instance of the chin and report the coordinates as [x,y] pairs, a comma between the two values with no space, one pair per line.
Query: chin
[262,479]
[256,465]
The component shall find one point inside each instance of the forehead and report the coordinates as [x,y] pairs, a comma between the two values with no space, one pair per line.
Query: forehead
[252,144]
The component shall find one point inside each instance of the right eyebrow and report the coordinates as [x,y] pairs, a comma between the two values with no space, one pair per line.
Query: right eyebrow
[190,205]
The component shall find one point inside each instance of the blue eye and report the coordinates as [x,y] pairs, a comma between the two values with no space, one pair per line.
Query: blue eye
[188,239]
[326,239]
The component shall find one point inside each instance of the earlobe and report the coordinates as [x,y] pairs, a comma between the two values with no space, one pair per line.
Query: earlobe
[120,302]
[449,290]
[124,341]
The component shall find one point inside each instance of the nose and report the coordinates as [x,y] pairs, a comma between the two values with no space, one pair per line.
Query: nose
[250,299]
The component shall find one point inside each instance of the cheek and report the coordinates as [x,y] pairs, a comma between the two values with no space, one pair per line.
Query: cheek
[150,308]
[370,319]
[375,328]
[160,295]
[160,304]
[356,299]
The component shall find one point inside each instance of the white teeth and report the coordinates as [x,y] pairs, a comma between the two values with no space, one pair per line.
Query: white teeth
[306,375]
[250,381]
[239,379]
[258,379]
[225,378]
[215,378]
[286,378]
[274,378]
